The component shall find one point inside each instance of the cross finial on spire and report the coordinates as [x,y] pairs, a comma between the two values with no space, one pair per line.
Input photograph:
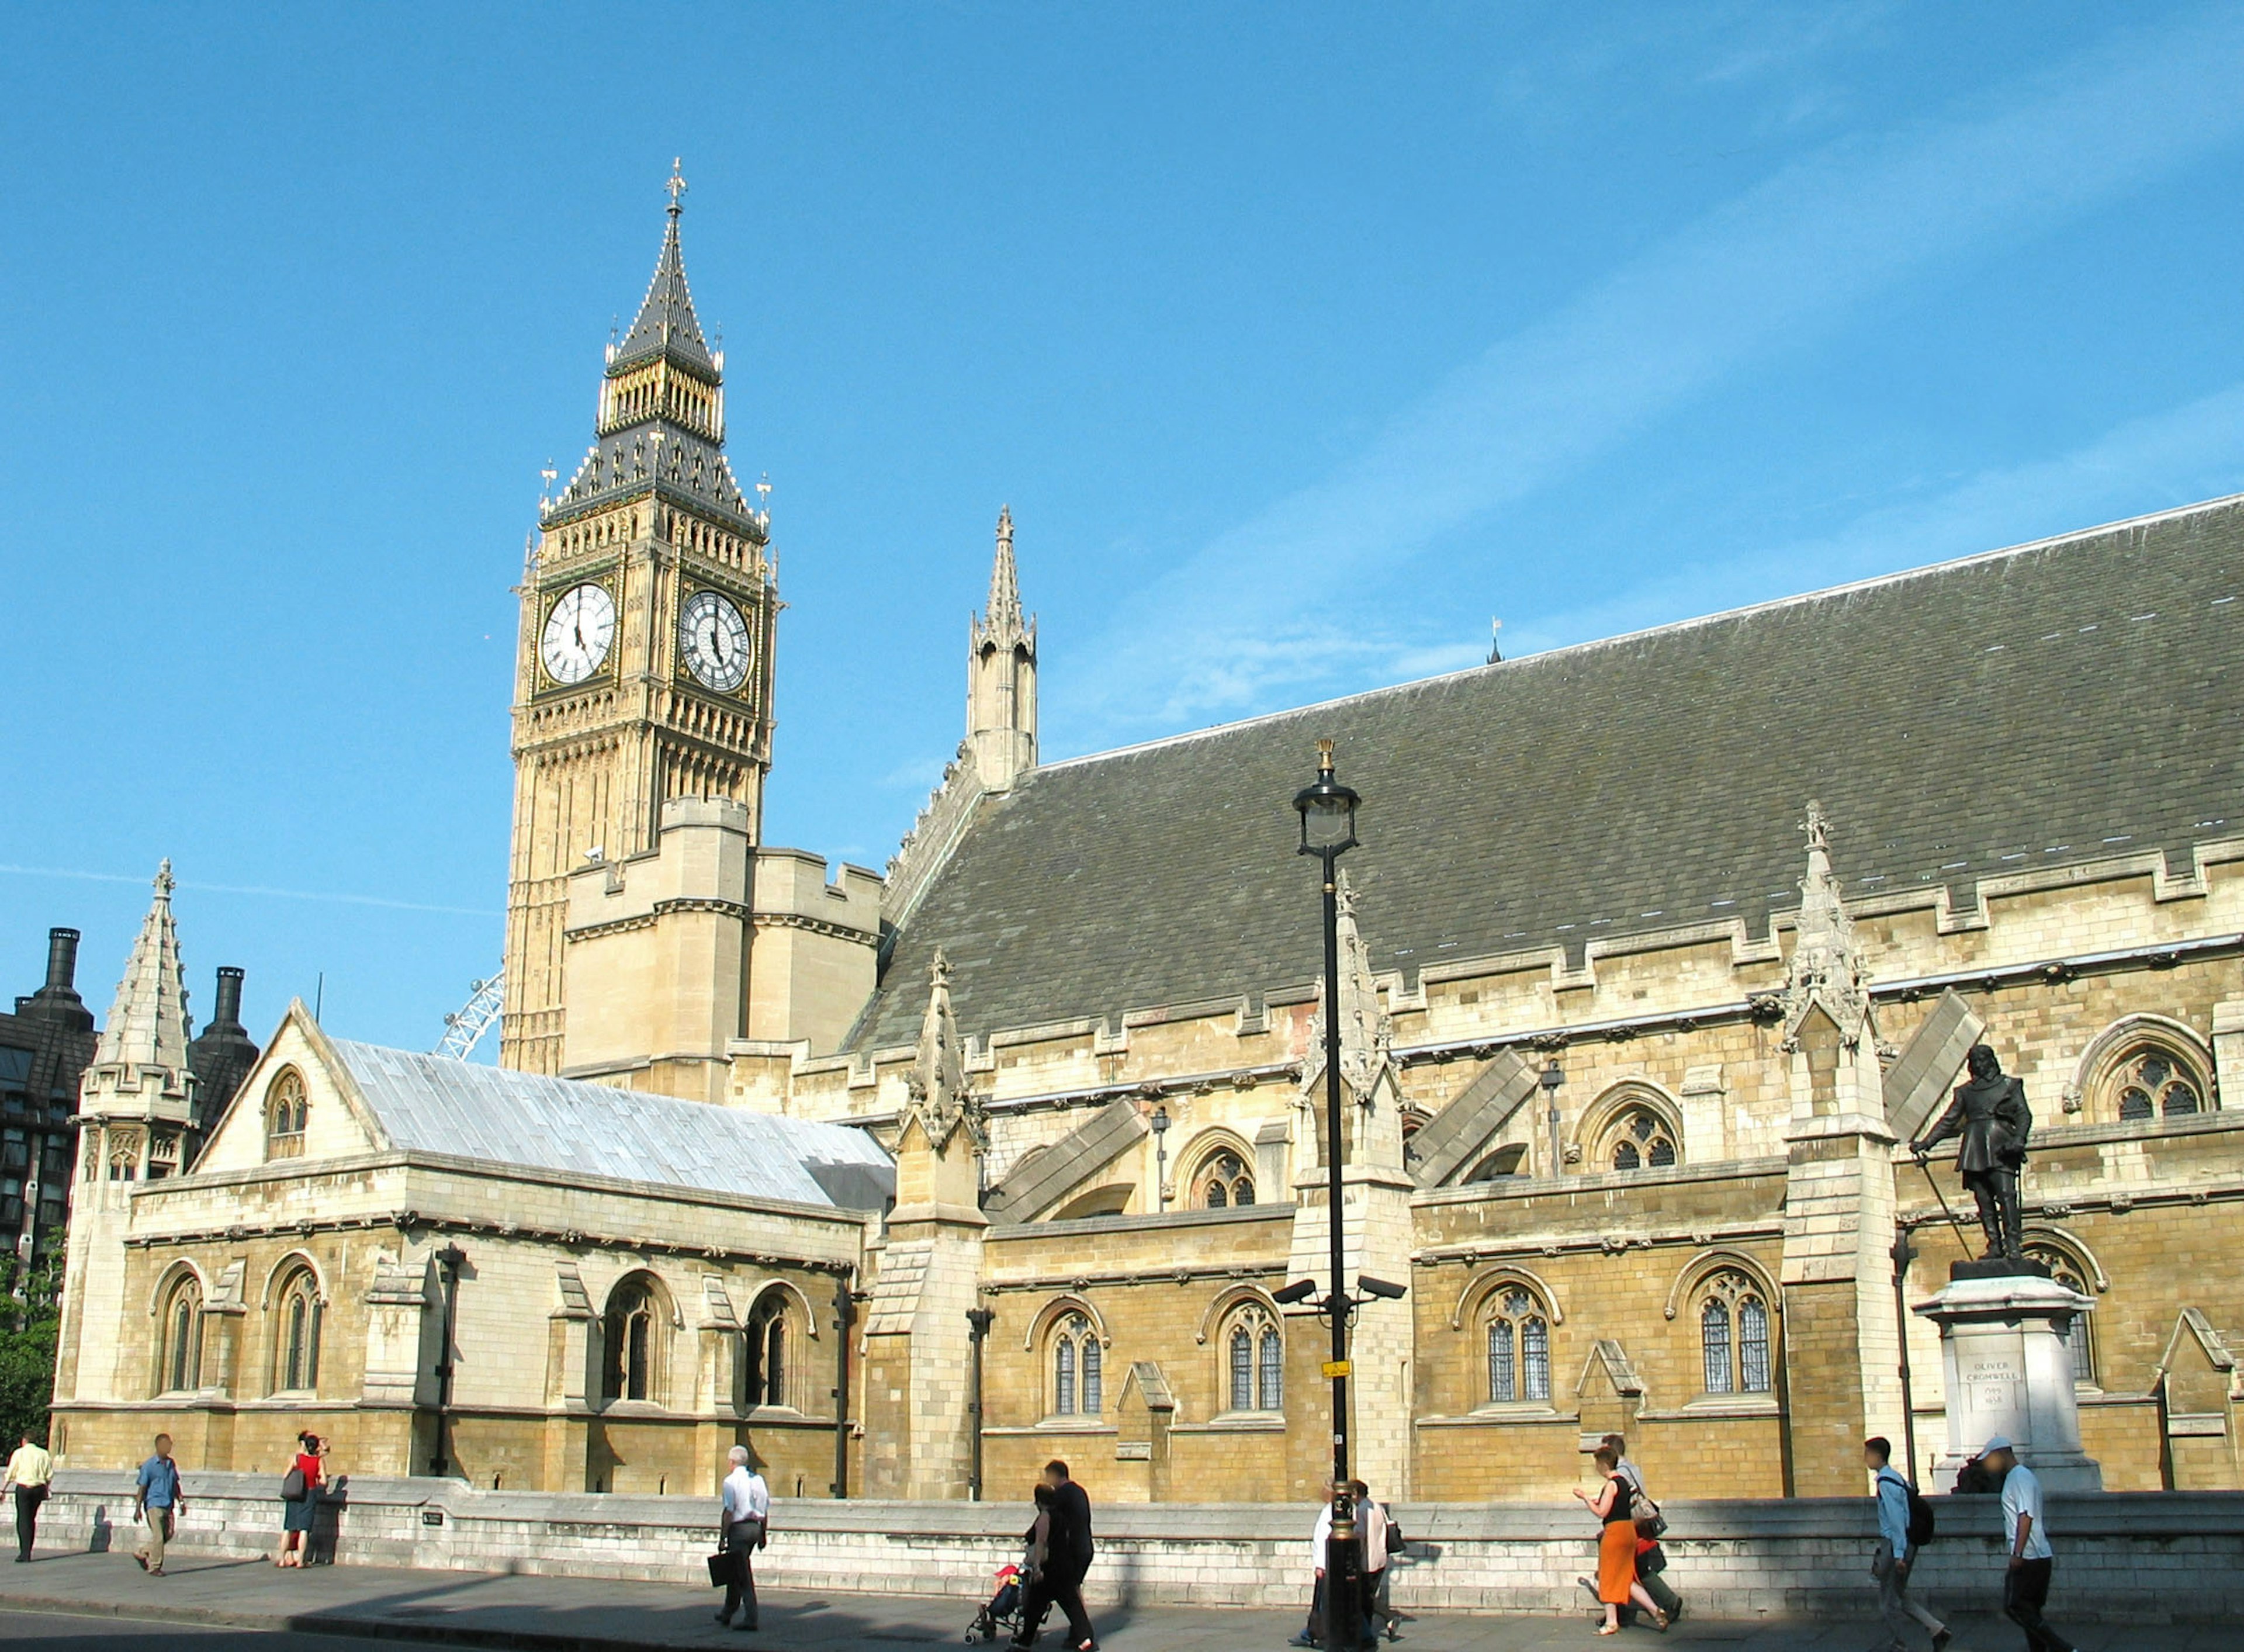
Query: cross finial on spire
[676,186]
[164,882]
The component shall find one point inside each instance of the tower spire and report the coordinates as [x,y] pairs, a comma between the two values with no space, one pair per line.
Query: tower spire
[1001,674]
[147,1025]
[1004,619]
[665,324]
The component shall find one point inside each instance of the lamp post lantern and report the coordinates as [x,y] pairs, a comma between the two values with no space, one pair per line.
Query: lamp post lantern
[1328,812]
[1159,1123]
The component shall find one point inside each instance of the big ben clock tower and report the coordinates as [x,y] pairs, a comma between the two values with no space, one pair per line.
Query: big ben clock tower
[644,670]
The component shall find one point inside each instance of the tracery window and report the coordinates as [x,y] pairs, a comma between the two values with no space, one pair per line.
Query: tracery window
[631,1342]
[767,1348]
[1224,1180]
[296,1351]
[180,1370]
[1255,1352]
[1639,1139]
[2151,1082]
[1519,1348]
[1734,1336]
[1075,1369]
[286,1107]
[2069,1271]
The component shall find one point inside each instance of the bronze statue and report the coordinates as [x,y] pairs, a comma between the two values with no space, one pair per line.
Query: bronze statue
[1991,1114]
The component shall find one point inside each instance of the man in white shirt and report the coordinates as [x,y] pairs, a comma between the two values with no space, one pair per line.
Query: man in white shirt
[2025,1585]
[743,1525]
[28,1472]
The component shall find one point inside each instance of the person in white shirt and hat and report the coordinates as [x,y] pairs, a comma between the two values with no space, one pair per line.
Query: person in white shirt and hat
[2025,1531]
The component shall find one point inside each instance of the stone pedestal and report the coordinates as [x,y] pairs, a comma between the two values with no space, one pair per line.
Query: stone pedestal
[2004,1341]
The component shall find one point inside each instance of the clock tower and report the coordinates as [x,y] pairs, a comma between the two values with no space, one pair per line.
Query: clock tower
[643,673]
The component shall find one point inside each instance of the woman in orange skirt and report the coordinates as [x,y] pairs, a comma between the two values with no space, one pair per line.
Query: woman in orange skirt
[1616,1507]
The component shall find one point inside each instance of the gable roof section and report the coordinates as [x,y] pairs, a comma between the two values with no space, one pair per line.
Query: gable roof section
[435,1104]
[2032,708]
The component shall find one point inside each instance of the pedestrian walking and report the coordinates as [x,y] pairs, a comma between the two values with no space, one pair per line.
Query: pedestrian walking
[157,1502]
[1313,1632]
[1614,1505]
[1650,1558]
[1897,1554]
[1373,1524]
[30,1469]
[743,1526]
[300,1499]
[1068,1560]
[2025,1583]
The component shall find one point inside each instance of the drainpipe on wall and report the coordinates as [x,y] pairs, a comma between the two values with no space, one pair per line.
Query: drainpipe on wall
[449,1262]
[978,1321]
[845,1312]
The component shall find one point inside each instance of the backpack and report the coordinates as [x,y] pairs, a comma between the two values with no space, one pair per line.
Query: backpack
[1921,1526]
[292,1485]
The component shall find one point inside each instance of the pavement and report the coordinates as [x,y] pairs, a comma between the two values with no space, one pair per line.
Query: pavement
[83,1602]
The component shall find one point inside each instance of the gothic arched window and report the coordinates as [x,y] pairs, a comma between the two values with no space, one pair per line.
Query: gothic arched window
[1734,1349]
[1075,1369]
[630,1367]
[766,1345]
[181,1368]
[2071,1272]
[1224,1180]
[1255,1355]
[286,1108]
[296,1351]
[1639,1139]
[1519,1348]
[2152,1082]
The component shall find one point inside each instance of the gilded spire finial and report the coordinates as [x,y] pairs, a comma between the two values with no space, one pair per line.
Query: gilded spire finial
[676,186]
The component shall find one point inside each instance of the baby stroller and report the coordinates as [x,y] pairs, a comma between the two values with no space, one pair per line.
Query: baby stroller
[1002,1610]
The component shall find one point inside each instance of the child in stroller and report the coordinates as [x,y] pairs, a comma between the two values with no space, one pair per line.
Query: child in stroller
[1003,1609]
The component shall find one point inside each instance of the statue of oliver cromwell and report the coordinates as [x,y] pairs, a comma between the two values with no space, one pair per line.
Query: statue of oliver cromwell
[1991,1114]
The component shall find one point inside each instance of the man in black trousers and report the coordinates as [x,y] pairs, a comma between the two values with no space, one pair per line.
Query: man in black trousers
[1067,1557]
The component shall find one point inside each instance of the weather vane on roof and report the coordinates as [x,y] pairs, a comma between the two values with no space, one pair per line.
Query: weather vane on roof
[676,186]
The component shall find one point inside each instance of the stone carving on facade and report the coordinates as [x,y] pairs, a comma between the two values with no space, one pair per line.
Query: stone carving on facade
[1824,971]
[940,1093]
[1367,1032]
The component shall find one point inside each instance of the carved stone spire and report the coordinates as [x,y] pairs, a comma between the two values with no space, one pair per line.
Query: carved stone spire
[1824,971]
[147,1025]
[1001,675]
[1366,1030]
[937,1083]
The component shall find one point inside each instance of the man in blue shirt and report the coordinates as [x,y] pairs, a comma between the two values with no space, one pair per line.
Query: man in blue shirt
[156,1503]
[1890,1566]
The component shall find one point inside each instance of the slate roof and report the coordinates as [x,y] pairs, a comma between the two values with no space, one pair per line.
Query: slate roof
[435,1104]
[666,323]
[2030,708]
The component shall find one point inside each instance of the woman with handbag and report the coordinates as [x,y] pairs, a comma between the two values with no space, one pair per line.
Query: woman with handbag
[1614,1505]
[1650,1526]
[300,1499]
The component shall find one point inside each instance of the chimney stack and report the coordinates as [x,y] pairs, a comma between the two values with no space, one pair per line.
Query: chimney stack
[59,1000]
[62,959]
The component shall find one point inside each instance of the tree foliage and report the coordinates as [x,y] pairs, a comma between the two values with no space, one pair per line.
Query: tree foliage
[31,1309]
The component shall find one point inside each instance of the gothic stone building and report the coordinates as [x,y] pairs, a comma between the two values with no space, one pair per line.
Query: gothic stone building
[1751,884]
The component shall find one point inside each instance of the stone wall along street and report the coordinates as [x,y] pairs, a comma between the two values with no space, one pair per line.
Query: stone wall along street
[2164,1557]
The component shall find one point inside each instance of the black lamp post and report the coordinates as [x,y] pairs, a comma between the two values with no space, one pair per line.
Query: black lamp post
[449,1261]
[1327,811]
[978,1321]
[1159,1122]
[1551,1079]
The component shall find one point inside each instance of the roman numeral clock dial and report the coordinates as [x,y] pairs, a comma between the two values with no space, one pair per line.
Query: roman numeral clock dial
[577,634]
[713,639]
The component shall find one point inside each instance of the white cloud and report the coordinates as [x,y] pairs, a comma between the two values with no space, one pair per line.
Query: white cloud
[1247,622]
[2188,453]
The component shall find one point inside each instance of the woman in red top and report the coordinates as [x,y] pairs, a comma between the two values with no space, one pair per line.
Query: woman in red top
[296,1512]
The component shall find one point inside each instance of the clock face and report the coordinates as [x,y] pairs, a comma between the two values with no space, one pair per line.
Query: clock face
[713,640]
[577,634]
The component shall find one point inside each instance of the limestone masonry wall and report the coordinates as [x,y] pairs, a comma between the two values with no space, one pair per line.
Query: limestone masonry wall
[2174,1557]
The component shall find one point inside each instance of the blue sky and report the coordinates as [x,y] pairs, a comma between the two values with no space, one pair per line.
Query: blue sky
[1301,341]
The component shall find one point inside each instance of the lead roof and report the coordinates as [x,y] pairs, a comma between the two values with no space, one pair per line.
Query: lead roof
[2038,707]
[435,1104]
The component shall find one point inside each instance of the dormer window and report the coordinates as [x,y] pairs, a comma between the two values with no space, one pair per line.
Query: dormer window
[286,1109]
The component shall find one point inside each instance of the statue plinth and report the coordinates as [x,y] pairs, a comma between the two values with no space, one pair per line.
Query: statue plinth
[1996,1267]
[2006,1343]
